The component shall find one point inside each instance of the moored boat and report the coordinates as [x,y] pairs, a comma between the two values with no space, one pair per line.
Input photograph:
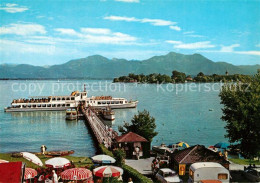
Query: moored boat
[62,103]
[72,114]
[47,153]
[108,114]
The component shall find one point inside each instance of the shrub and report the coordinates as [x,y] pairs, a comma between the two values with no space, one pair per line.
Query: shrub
[120,157]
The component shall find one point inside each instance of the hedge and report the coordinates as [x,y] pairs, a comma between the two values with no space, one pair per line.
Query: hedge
[105,151]
[128,171]
[135,175]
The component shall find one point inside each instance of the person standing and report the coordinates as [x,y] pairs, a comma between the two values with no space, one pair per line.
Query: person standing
[43,149]
[137,149]
[54,177]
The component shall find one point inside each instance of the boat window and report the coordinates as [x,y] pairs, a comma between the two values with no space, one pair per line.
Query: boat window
[29,106]
[121,102]
[58,105]
[63,98]
[44,105]
[112,102]
[54,99]
[222,176]
[34,105]
[67,105]
[72,98]
[108,102]
[87,101]
[39,105]
[24,106]
[49,105]
[103,102]
[116,102]
[63,105]
[99,103]
[58,98]
[53,105]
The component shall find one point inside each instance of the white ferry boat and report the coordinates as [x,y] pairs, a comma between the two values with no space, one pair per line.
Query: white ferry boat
[61,103]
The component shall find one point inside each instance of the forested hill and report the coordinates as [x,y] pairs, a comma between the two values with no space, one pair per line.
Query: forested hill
[97,66]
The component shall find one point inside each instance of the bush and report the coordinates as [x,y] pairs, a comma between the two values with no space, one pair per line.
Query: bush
[105,151]
[120,157]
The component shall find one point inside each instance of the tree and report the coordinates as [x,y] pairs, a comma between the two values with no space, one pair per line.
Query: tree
[143,124]
[242,113]
[200,74]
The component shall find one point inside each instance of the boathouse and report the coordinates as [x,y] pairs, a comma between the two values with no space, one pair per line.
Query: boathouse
[181,160]
[129,141]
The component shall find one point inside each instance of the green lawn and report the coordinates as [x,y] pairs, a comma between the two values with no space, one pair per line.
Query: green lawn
[245,161]
[78,161]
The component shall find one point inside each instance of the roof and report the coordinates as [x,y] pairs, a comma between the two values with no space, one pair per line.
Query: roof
[197,153]
[206,164]
[130,137]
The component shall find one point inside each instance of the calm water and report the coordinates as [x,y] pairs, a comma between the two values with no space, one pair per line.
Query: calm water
[180,116]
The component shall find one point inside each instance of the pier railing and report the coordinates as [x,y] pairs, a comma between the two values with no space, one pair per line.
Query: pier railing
[101,132]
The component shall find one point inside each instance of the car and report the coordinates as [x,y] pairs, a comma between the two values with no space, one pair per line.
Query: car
[252,174]
[166,175]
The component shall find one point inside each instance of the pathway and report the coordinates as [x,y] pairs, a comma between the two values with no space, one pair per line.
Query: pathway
[142,165]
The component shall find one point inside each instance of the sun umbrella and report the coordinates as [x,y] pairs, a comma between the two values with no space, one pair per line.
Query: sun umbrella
[183,144]
[29,173]
[57,162]
[102,158]
[3,161]
[108,171]
[222,145]
[76,174]
[32,157]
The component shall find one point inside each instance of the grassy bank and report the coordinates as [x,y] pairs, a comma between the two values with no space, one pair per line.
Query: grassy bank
[78,161]
[245,161]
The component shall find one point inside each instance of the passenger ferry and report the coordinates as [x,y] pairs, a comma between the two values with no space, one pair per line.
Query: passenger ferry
[62,103]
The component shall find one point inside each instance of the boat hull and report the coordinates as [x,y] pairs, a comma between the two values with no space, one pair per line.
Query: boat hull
[35,109]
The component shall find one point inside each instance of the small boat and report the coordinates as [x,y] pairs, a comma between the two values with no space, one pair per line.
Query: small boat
[72,114]
[108,114]
[47,153]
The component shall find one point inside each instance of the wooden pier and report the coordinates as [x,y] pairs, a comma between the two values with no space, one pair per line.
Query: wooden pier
[101,132]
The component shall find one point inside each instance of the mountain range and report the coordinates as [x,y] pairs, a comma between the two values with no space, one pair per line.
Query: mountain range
[98,67]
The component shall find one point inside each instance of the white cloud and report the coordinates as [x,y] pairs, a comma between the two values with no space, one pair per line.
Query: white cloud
[154,22]
[98,35]
[173,42]
[229,48]
[189,32]
[13,8]
[70,32]
[128,1]
[95,30]
[16,46]
[194,35]
[249,52]
[23,29]
[196,45]
[177,28]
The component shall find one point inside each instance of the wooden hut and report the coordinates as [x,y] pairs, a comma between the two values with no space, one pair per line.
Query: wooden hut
[130,141]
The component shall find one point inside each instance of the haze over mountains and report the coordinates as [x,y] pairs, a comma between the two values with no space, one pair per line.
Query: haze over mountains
[99,67]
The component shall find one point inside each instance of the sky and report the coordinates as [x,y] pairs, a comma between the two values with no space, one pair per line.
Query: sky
[48,32]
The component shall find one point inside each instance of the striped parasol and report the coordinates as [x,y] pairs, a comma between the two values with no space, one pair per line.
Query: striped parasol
[108,171]
[57,162]
[29,173]
[32,157]
[183,144]
[76,174]
[3,161]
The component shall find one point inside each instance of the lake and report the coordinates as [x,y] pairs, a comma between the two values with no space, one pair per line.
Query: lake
[184,112]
